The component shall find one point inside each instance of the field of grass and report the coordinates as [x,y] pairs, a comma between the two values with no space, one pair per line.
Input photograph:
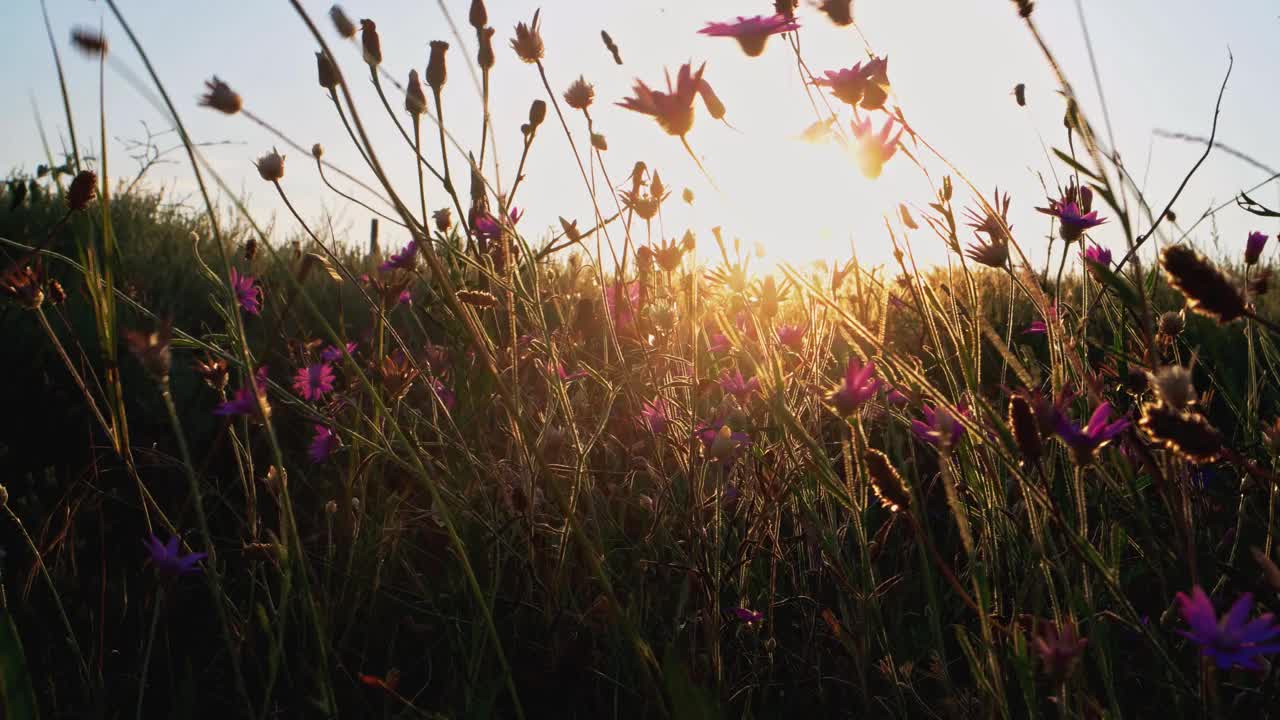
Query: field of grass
[252,474]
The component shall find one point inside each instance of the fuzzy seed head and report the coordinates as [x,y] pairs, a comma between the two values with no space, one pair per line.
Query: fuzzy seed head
[1173,387]
[1188,435]
[1207,290]
[82,191]
[271,166]
[1172,323]
[580,94]
[477,298]
[528,41]
[886,482]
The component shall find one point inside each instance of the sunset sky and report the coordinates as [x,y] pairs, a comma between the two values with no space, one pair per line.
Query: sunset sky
[952,64]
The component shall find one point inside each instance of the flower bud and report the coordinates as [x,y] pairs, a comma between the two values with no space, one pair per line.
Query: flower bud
[1173,387]
[370,43]
[1253,247]
[271,166]
[443,219]
[326,73]
[152,350]
[55,292]
[89,41]
[537,113]
[479,16]
[341,22]
[317,151]
[598,142]
[415,102]
[436,71]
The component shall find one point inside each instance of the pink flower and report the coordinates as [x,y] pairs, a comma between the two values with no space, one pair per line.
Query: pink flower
[673,109]
[751,33]
[447,396]
[857,387]
[718,343]
[653,416]
[405,298]
[874,149]
[624,309]
[247,292]
[720,442]
[314,381]
[747,617]
[791,336]
[866,84]
[896,397]
[1037,327]
[322,444]
[1086,441]
[406,259]
[1098,254]
[1074,213]
[739,387]
[487,227]
[564,375]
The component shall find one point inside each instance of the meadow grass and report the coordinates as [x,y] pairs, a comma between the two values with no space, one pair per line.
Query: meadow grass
[260,473]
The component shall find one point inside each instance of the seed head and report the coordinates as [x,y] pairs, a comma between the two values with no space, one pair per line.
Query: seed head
[341,22]
[370,42]
[326,73]
[1189,435]
[82,191]
[477,298]
[443,219]
[1024,7]
[1172,323]
[886,482]
[479,16]
[89,41]
[1208,291]
[1026,431]
[1173,387]
[415,102]
[271,166]
[219,96]
[22,284]
[528,41]
[580,94]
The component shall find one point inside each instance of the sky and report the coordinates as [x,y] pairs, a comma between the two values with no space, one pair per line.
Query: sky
[952,64]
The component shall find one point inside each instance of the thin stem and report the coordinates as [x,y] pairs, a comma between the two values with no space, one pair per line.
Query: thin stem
[146,654]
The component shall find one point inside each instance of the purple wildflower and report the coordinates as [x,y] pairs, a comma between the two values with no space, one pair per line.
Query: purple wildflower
[866,84]
[1098,254]
[747,617]
[1058,647]
[1074,213]
[739,387]
[653,416]
[720,442]
[1087,440]
[857,387]
[1253,247]
[314,381]
[405,298]
[939,427]
[792,336]
[719,344]
[564,375]
[168,560]
[333,353]
[247,292]
[1037,327]
[1233,640]
[322,444]
[245,401]
[896,397]
[487,228]
[406,259]
[751,33]
[447,396]
[623,309]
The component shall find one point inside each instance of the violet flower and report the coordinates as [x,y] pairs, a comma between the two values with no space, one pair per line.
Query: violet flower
[1074,213]
[939,428]
[168,560]
[406,259]
[739,387]
[1098,254]
[322,444]
[1086,441]
[792,336]
[653,416]
[672,109]
[1253,247]
[1234,639]
[247,292]
[333,353]
[720,442]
